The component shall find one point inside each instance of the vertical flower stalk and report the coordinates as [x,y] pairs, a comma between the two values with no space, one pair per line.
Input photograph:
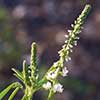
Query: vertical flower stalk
[71,40]
[31,72]
[33,60]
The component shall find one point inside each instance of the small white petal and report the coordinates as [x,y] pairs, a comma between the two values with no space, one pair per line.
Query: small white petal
[64,46]
[64,72]
[55,64]
[71,46]
[77,38]
[29,71]
[66,36]
[58,88]
[75,22]
[71,50]
[47,85]
[72,25]
[52,75]
[69,31]
[75,43]
[66,41]
[59,52]
[69,58]
[66,59]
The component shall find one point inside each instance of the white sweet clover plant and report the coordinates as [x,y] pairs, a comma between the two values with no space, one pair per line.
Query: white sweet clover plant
[50,82]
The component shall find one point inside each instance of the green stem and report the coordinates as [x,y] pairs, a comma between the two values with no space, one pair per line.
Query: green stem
[6,90]
[29,92]
[14,93]
[51,93]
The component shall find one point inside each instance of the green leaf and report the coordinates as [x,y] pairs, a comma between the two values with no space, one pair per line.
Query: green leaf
[14,93]
[18,74]
[6,90]
[25,73]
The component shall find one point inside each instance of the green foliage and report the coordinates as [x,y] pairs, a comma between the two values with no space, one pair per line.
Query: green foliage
[5,91]
[29,75]
[13,93]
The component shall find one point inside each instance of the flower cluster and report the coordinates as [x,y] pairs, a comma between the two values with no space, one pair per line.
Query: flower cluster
[51,76]
[58,67]
[56,88]
[71,39]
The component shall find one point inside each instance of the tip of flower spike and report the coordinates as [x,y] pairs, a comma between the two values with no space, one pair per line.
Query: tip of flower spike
[33,44]
[88,6]
[24,62]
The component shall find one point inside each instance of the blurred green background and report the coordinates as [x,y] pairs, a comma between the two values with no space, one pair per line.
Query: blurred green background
[46,22]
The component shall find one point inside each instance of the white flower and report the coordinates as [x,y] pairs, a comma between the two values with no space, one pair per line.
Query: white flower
[58,88]
[52,74]
[47,85]
[66,36]
[75,22]
[66,41]
[72,25]
[69,31]
[71,46]
[67,59]
[75,43]
[64,72]
[77,38]
[71,50]
[55,64]
[59,52]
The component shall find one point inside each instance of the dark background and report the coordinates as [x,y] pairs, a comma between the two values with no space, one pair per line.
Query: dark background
[46,22]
